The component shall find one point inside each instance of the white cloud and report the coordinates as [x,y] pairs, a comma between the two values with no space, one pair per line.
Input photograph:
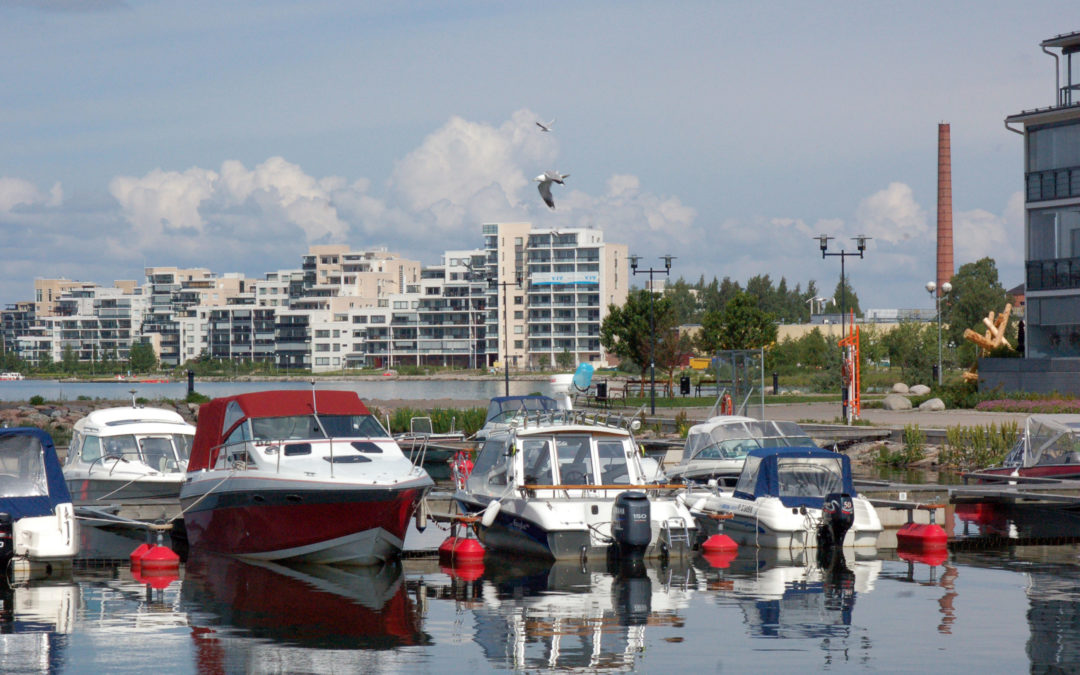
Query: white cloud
[892,215]
[979,234]
[19,192]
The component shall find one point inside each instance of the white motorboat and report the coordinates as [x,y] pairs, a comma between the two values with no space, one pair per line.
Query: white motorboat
[561,486]
[505,411]
[298,475]
[716,448]
[38,532]
[792,498]
[129,453]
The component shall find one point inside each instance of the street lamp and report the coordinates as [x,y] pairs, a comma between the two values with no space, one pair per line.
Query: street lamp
[506,333]
[945,288]
[860,244]
[652,321]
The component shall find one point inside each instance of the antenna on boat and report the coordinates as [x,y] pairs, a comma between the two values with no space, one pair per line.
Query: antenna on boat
[132,392]
[314,405]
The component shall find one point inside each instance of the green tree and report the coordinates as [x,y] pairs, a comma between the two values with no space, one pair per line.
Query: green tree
[142,358]
[682,299]
[913,347]
[975,293]
[46,363]
[626,331]
[565,359]
[851,300]
[741,325]
[68,361]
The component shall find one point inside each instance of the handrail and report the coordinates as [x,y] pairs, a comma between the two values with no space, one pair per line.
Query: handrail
[649,486]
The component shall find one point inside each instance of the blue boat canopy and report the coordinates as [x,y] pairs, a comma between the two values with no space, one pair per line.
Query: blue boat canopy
[31,479]
[798,476]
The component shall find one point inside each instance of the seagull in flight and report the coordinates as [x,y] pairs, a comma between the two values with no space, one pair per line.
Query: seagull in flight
[546,127]
[545,180]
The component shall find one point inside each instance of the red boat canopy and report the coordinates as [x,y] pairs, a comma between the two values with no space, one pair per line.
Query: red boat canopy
[218,418]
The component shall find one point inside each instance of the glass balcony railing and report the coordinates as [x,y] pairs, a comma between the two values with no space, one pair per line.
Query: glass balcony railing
[1050,275]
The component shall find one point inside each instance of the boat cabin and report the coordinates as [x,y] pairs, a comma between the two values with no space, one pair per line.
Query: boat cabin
[732,438]
[1047,440]
[558,455]
[159,439]
[797,476]
[31,480]
[263,427]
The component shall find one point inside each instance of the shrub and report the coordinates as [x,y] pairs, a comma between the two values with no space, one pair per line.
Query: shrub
[979,446]
[196,397]
[37,399]
[468,420]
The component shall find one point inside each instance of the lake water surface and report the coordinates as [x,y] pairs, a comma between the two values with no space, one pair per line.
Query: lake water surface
[410,389]
[1010,610]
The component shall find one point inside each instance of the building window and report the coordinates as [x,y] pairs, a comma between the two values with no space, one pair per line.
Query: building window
[518,314]
[519,344]
[519,300]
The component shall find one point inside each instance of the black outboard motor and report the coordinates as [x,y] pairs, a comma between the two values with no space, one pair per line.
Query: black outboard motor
[837,517]
[7,541]
[631,523]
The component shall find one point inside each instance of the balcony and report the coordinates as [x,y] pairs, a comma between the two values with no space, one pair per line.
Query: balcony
[1053,184]
[1052,275]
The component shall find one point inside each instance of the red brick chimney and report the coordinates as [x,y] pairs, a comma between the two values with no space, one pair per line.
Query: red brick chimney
[944,208]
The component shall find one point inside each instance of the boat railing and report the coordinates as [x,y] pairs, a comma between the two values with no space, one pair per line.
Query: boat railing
[544,418]
[238,455]
[529,489]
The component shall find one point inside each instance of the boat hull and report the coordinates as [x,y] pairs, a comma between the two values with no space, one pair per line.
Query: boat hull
[766,523]
[573,525]
[87,491]
[300,520]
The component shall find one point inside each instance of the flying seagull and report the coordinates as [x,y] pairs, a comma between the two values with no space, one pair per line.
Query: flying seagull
[545,180]
[546,127]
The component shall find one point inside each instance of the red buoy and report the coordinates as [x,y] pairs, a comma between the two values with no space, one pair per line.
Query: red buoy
[719,543]
[919,538]
[719,559]
[156,579]
[137,554]
[460,550]
[931,558]
[466,571]
[159,558]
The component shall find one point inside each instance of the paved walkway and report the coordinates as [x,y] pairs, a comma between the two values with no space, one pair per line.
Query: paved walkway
[821,413]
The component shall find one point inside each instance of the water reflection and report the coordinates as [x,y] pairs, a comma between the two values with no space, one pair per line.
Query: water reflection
[1042,521]
[309,607]
[35,620]
[568,616]
[796,594]
[1053,592]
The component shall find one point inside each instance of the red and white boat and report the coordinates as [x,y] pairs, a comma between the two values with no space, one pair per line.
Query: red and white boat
[1047,447]
[298,475]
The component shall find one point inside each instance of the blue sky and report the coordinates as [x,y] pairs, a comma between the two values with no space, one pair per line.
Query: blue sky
[233,135]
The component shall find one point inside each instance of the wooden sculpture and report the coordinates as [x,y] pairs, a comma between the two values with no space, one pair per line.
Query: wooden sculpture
[991,340]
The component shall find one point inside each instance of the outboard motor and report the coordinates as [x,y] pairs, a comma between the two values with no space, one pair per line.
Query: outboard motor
[631,524]
[7,541]
[837,517]
[632,596]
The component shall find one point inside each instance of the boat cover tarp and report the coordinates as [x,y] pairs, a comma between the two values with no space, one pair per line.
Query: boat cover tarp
[212,430]
[20,449]
[798,476]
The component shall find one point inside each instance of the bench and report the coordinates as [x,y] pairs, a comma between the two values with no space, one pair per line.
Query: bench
[706,383]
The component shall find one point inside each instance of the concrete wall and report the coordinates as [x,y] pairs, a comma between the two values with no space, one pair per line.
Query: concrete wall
[1042,376]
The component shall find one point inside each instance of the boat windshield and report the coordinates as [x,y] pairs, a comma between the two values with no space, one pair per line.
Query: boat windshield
[167,453]
[297,427]
[1052,442]
[489,472]
[733,441]
[22,467]
[810,476]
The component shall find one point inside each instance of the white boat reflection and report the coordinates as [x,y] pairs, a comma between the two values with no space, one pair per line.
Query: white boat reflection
[33,617]
[794,594]
[571,617]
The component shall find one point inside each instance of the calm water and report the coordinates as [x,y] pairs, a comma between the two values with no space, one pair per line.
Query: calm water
[1005,611]
[53,390]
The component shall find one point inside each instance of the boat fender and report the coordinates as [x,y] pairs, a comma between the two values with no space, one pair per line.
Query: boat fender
[490,512]
[421,516]
[699,505]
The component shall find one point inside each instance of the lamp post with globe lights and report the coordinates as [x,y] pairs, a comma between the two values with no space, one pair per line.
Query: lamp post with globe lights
[652,321]
[945,288]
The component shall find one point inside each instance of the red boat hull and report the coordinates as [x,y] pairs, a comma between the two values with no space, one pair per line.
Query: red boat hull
[361,526]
